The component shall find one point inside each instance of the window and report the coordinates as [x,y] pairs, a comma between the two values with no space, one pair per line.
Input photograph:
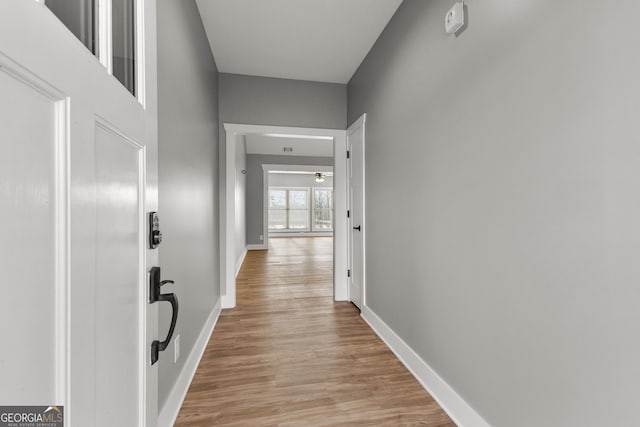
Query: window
[278,210]
[83,19]
[124,42]
[322,209]
[291,209]
[288,209]
[79,16]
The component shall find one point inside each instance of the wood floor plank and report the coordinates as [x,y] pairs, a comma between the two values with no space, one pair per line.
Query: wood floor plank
[288,355]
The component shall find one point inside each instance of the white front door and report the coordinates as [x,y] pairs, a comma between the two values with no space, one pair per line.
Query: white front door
[355,145]
[78,168]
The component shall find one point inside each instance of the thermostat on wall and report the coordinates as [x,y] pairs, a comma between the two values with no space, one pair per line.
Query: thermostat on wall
[454,20]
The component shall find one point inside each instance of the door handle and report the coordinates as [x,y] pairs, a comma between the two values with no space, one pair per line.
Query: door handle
[158,346]
[155,296]
[358,228]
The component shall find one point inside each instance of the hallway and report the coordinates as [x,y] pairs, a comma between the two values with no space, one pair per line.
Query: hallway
[289,355]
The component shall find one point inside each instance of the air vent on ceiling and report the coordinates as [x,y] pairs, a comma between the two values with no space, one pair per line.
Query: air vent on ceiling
[288,149]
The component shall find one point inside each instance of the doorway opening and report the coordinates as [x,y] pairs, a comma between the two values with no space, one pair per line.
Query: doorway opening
[298,210]
[299,224]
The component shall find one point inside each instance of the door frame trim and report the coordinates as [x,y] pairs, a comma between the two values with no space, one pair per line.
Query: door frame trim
[227,205]
[359,123]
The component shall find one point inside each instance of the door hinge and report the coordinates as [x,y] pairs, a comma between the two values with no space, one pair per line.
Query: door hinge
[348,154]
[349,273]
[348,214]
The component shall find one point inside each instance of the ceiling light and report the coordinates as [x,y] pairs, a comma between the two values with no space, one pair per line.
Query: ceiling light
[320,177]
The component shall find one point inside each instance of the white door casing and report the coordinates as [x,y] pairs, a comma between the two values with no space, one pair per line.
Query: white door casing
[357,227]
[227,205]
[78,170]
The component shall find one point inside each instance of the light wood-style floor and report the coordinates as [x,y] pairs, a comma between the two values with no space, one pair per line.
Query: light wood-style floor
[289,355]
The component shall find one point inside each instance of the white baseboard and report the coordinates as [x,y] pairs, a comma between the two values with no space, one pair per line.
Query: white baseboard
[171,408]
[228,301]
[258,247]
[240,260]
[460,412]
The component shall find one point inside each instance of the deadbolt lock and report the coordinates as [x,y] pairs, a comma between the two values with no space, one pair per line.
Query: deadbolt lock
[155,236]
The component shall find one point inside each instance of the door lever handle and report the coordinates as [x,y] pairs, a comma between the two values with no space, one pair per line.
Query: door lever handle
[155,296]
[158,346]
[357,228]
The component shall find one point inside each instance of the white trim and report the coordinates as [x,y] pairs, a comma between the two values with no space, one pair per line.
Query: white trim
[265,205]
[171,408]
[62,250]
[142,293]
[227,205]
[140,54]
[278,235]
[341,222]
[240,260]
[359,123]
[104,30]
[61,221]
[298,168]
[107,126]
[258,247]
[451,402]
[228,301]
[283,131]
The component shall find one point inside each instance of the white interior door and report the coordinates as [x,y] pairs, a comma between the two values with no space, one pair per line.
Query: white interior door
[355,145]
[77,172]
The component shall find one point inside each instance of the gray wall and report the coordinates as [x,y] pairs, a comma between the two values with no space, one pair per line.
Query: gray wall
[281,102]
[278,102]
[255,189]
[512,266]
[188,150]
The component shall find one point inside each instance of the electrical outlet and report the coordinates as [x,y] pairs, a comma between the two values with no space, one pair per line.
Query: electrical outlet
[176,348]
[261,238]
[454,19]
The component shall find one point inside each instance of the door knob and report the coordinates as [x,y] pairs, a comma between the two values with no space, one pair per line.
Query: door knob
[358,228]
[155,296]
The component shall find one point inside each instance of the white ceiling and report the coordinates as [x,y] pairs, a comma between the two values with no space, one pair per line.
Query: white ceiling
[318,40]
[264,144]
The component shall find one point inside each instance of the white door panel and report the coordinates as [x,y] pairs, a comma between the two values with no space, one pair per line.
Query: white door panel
[118,286]
[72,199]
[27,242]
[355,144]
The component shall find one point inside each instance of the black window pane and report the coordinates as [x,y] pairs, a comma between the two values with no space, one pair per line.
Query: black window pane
[124,42]
[79,17]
